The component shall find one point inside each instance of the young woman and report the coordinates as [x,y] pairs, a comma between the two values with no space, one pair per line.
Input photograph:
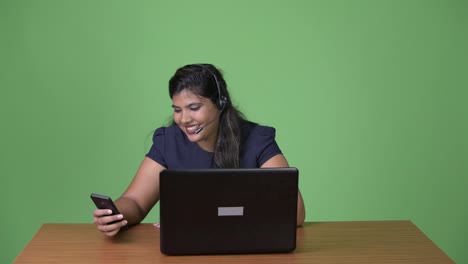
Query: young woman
[207,132]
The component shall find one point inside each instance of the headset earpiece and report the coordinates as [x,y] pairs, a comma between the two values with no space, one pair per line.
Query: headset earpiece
[222,100]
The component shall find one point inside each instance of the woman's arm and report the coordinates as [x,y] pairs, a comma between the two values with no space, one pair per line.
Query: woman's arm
[135,203]
[142,193]
[280,161]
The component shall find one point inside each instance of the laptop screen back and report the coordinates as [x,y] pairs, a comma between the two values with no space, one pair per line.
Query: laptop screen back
[228,211]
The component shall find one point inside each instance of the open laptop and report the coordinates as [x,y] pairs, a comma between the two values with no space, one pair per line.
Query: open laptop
[228,211]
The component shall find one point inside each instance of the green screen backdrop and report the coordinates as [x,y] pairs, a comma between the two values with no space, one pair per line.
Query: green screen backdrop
[369,99]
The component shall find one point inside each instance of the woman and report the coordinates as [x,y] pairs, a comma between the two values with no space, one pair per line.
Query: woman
[207,132]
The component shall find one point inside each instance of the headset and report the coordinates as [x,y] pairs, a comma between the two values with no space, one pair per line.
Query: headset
[220,103]
[222,100]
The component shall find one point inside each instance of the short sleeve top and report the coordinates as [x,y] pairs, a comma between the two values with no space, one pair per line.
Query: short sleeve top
[172,149]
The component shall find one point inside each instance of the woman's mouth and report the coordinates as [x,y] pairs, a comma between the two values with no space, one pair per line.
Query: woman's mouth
[191,129]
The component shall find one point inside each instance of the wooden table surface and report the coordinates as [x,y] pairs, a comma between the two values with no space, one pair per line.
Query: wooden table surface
[321,242]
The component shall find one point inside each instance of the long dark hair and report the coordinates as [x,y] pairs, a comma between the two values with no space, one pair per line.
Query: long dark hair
[207,81]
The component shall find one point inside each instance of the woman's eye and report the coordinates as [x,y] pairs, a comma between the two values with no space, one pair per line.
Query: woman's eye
[195,108]
[177,110]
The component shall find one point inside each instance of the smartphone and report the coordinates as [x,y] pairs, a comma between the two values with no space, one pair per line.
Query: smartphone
[105,202]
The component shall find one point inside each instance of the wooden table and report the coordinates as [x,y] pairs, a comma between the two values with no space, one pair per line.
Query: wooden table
[322,242]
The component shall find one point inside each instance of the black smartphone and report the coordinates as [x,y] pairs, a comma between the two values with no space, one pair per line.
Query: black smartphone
[105,202]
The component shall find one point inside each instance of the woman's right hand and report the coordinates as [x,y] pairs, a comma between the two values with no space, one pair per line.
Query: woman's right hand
[103,218]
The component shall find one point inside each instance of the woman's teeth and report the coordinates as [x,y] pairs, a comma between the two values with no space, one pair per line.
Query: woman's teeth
[192,128]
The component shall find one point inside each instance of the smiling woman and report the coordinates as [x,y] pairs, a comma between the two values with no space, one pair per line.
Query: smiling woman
[193,114]
[208,90]
[207,132]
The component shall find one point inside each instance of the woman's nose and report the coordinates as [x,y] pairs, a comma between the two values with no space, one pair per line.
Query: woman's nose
[185,117]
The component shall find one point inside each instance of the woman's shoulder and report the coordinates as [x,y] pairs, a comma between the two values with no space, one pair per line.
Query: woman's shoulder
[250,128]
[167,130]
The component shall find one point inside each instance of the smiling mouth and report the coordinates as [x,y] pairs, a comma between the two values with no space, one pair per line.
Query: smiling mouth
[191,129]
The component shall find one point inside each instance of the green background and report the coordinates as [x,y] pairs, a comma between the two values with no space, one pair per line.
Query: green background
[369,99]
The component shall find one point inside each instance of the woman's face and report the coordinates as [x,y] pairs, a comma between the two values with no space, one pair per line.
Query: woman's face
[192,112]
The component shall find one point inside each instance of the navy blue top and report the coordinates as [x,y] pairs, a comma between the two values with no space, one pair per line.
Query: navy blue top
[173,150]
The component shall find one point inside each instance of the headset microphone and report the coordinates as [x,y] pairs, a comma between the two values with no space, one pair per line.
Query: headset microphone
[209,123]
[203,127]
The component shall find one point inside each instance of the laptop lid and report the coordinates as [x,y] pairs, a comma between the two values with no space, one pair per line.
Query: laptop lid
[228,211]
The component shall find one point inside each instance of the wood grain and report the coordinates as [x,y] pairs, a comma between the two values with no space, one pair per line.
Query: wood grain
[321,242]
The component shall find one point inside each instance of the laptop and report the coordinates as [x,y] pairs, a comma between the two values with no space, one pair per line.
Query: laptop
[228,211]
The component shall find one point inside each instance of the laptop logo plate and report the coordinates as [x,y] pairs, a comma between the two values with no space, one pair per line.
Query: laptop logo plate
[231,211]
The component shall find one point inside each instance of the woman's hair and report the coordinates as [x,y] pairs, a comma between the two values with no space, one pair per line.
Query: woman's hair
[207,81]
